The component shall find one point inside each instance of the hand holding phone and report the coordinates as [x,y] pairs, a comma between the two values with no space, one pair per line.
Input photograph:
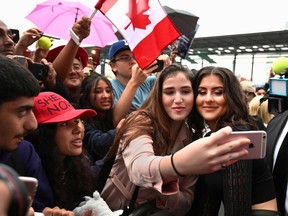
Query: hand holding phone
[40,71]
[257,148]
[31,184]
[160,64]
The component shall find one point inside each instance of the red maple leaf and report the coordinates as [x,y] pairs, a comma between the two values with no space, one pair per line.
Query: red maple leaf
[136,14]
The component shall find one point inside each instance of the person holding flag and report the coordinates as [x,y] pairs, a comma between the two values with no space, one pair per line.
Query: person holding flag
[142,24]
[129,75]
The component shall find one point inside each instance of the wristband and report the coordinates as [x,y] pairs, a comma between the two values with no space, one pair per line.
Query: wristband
[74,37]
[174,168]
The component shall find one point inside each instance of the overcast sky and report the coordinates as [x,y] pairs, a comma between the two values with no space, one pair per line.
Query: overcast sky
[221,17]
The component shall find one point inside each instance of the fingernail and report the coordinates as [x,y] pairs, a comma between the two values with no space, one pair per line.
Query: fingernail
[231,162]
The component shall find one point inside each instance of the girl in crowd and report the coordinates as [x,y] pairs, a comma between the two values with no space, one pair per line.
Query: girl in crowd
[260,109]
[154,160]
[247,185]
[58,141]
[96,94]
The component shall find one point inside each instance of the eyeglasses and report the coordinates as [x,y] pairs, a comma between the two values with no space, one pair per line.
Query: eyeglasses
[77,68]
[125,58]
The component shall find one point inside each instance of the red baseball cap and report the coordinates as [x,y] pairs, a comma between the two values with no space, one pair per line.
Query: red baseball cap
[81,54]
[49,107]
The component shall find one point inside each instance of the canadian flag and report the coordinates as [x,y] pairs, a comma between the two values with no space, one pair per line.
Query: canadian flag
[143,23]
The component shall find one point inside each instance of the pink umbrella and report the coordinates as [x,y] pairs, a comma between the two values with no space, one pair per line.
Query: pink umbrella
[56,17]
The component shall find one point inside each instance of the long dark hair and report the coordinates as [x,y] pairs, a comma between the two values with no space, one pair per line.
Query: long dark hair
[104,119]
[151,118]
[237,107]
[71,178]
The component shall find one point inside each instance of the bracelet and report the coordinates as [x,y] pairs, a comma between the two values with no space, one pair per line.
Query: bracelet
[74,37]
[174,168]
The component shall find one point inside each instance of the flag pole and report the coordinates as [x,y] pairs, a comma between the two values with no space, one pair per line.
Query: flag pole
[75,37]
[93,13]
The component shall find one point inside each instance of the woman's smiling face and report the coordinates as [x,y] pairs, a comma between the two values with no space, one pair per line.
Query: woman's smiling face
[210,101]
[177,97]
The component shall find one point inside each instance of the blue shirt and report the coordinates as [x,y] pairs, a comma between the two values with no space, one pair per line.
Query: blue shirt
[141,93]
[32,167]
[97,142]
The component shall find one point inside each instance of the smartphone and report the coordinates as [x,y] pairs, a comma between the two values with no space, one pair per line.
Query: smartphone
[17,35]
[160,64]
[40,71]
[31,184]
[257,147]
[21,60]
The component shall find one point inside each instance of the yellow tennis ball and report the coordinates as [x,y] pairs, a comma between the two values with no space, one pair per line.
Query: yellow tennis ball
[279,65]
[44,43]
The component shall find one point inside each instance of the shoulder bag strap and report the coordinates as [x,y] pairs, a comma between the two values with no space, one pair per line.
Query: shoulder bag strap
[104,173]
[128,209]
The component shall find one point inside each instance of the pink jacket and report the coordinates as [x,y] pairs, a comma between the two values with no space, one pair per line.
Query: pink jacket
[139,166]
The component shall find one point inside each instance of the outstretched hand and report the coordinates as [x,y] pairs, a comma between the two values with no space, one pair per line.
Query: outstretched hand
[82,28]
[208,154]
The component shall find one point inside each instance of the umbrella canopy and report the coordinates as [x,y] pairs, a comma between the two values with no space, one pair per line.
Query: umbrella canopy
[56,17]
[184,21]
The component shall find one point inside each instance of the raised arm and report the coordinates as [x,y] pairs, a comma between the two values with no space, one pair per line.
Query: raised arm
[205,155]
[67,54]
[122,106]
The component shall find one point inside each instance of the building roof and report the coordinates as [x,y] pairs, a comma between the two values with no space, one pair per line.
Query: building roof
[261,42]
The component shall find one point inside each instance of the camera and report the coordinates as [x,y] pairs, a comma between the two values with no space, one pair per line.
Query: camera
[278,94]
[278,91]
[40,71]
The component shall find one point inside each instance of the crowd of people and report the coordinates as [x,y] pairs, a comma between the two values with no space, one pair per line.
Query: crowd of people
[165,135]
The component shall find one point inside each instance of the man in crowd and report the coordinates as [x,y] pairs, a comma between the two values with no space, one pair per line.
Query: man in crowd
[129,75]
[18,87]
[277,157]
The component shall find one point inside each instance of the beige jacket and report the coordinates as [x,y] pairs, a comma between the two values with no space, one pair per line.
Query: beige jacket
[139,166]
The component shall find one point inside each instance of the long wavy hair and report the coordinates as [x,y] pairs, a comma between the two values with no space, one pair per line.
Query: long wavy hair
[151,118]
[104,119]
[237,107]
[71,179]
